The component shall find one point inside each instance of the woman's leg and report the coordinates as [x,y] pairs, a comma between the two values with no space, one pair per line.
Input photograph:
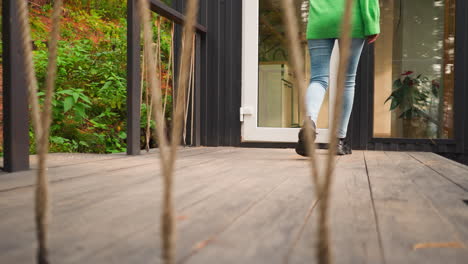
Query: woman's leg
[320,53]
[350,83]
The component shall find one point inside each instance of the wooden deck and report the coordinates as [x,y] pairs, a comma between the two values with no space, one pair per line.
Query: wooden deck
[242,206]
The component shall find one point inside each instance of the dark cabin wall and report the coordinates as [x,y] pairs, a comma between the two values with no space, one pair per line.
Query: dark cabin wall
[15,93]
[219,58]
[219,97]
[461,76]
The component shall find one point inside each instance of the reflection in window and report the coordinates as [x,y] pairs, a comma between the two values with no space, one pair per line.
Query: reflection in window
[278,102]
[168,2]
[414,69]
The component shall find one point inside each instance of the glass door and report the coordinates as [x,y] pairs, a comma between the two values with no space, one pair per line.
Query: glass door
[414,70]
[270,103]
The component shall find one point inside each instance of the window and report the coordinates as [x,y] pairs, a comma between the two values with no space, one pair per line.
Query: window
[278,100]
[414,69]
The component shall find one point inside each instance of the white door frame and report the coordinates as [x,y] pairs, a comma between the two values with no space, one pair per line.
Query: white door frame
[249,111]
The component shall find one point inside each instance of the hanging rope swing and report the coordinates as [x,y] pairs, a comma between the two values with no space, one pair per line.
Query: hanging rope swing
[41,119]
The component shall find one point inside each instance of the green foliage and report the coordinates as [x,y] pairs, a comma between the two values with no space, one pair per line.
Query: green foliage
[89,106]
[413,96]
[106,9]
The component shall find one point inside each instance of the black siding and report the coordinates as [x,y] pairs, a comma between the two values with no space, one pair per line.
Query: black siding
[15,93]
[220,89]
[133,78]
[461,77]
[221,97]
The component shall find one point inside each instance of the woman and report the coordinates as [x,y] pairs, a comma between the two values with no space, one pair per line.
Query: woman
[323,28]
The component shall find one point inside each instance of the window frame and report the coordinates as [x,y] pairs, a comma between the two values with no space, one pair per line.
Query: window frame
[362,123]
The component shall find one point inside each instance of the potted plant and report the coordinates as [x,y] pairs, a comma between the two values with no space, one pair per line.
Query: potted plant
[413,99]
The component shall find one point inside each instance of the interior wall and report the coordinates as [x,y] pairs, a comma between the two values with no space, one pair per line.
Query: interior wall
[270,95]
[422,25]
[384,71]
[412,40]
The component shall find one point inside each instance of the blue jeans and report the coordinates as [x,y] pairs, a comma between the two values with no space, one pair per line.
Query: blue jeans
[320,51]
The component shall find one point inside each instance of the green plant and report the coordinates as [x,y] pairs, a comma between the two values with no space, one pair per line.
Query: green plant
[413,95]
[72,100]
[415,100]
[89,107]
[107,9]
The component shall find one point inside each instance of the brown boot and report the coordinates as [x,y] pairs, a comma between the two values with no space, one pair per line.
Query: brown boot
[343,147]
[301,145]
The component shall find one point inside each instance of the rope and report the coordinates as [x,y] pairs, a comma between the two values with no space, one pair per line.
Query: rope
[322,187]
[169,152]
[190,89]
[170,68]
[149,98]
[297,67]
[324,254]
[192,120]
[142,83]
[149,102]
[41,121]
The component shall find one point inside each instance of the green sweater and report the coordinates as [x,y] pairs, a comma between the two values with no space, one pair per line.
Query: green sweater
[325,17]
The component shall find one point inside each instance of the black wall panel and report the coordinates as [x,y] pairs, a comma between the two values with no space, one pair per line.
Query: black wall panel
[220,88]
[221,96]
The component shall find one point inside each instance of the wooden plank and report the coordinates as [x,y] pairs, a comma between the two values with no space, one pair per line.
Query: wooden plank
[405,217]
[88,207]
[242,206]
[208,218]
[264,233]
[72,159]
[97,177]
[353,228]
[70,170]
[445,197]
[139,216]
[142,244]
[448,169]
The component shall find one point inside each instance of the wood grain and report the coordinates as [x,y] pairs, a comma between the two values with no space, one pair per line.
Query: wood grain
[242,206]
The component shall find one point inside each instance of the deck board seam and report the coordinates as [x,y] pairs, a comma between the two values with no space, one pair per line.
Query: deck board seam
[439,173]
[213,237]
[144,228]
[301,231]
[212,194]
[85,162]
[306,220]
[72,178]
[155,153]
[376,217]
[444,159]
[95,174]
[444,219]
